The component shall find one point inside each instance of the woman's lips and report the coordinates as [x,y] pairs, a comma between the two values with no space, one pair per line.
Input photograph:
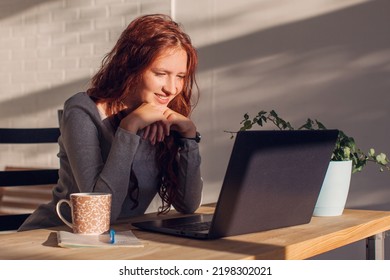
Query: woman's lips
[162,99]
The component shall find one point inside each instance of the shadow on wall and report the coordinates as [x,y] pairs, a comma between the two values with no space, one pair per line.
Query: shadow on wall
[333,67]
[45,99]
[357,29]
[11,7]
[349,49]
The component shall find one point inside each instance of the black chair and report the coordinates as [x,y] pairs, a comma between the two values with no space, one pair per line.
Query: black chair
[25,178]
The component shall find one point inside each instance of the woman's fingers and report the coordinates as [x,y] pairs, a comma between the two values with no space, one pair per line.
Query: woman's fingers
[146,132]
[153,133]
[160,135]
[165,126]
[156,132]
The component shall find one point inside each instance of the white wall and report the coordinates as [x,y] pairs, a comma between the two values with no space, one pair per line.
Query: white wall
[49,49]
[321,59]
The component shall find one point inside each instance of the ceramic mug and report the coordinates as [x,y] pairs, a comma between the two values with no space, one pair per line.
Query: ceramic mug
[90,212]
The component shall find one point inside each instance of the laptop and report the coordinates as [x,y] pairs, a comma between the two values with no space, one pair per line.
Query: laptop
[273,180]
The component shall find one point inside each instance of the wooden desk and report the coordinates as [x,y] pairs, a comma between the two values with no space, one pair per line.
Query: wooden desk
[322,234]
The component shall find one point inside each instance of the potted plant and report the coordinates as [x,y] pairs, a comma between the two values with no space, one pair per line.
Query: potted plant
[346,159]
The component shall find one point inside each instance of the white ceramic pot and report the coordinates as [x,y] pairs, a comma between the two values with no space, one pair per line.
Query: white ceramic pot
[335,188]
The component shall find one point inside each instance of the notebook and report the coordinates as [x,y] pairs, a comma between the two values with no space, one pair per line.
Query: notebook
[273,180]
[73,240]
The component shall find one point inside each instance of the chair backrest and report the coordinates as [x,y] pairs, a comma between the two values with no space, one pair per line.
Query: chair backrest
[25,178]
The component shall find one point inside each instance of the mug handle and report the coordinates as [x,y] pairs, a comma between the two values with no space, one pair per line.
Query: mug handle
[59,211]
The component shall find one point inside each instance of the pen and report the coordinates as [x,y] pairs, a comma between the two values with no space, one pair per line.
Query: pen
[112,236]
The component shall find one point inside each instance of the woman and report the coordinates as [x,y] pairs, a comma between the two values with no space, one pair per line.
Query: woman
[130,134]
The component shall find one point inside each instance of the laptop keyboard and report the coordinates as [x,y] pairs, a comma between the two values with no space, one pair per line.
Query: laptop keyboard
[200,226]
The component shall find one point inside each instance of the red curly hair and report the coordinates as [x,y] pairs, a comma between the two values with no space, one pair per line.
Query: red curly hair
[121,71]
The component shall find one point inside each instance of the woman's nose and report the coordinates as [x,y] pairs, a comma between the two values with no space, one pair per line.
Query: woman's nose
[170,87]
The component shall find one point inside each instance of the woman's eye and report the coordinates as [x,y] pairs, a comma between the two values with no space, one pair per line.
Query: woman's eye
[160,74]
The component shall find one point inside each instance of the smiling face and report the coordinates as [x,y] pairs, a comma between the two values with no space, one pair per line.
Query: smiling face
[162,80]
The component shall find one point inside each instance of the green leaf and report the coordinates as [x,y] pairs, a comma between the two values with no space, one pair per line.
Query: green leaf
[320,125]
[381,159]
[247,124]
[347,152]
[273,114]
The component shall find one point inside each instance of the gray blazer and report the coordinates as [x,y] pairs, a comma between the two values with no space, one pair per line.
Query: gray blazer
[96,157]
